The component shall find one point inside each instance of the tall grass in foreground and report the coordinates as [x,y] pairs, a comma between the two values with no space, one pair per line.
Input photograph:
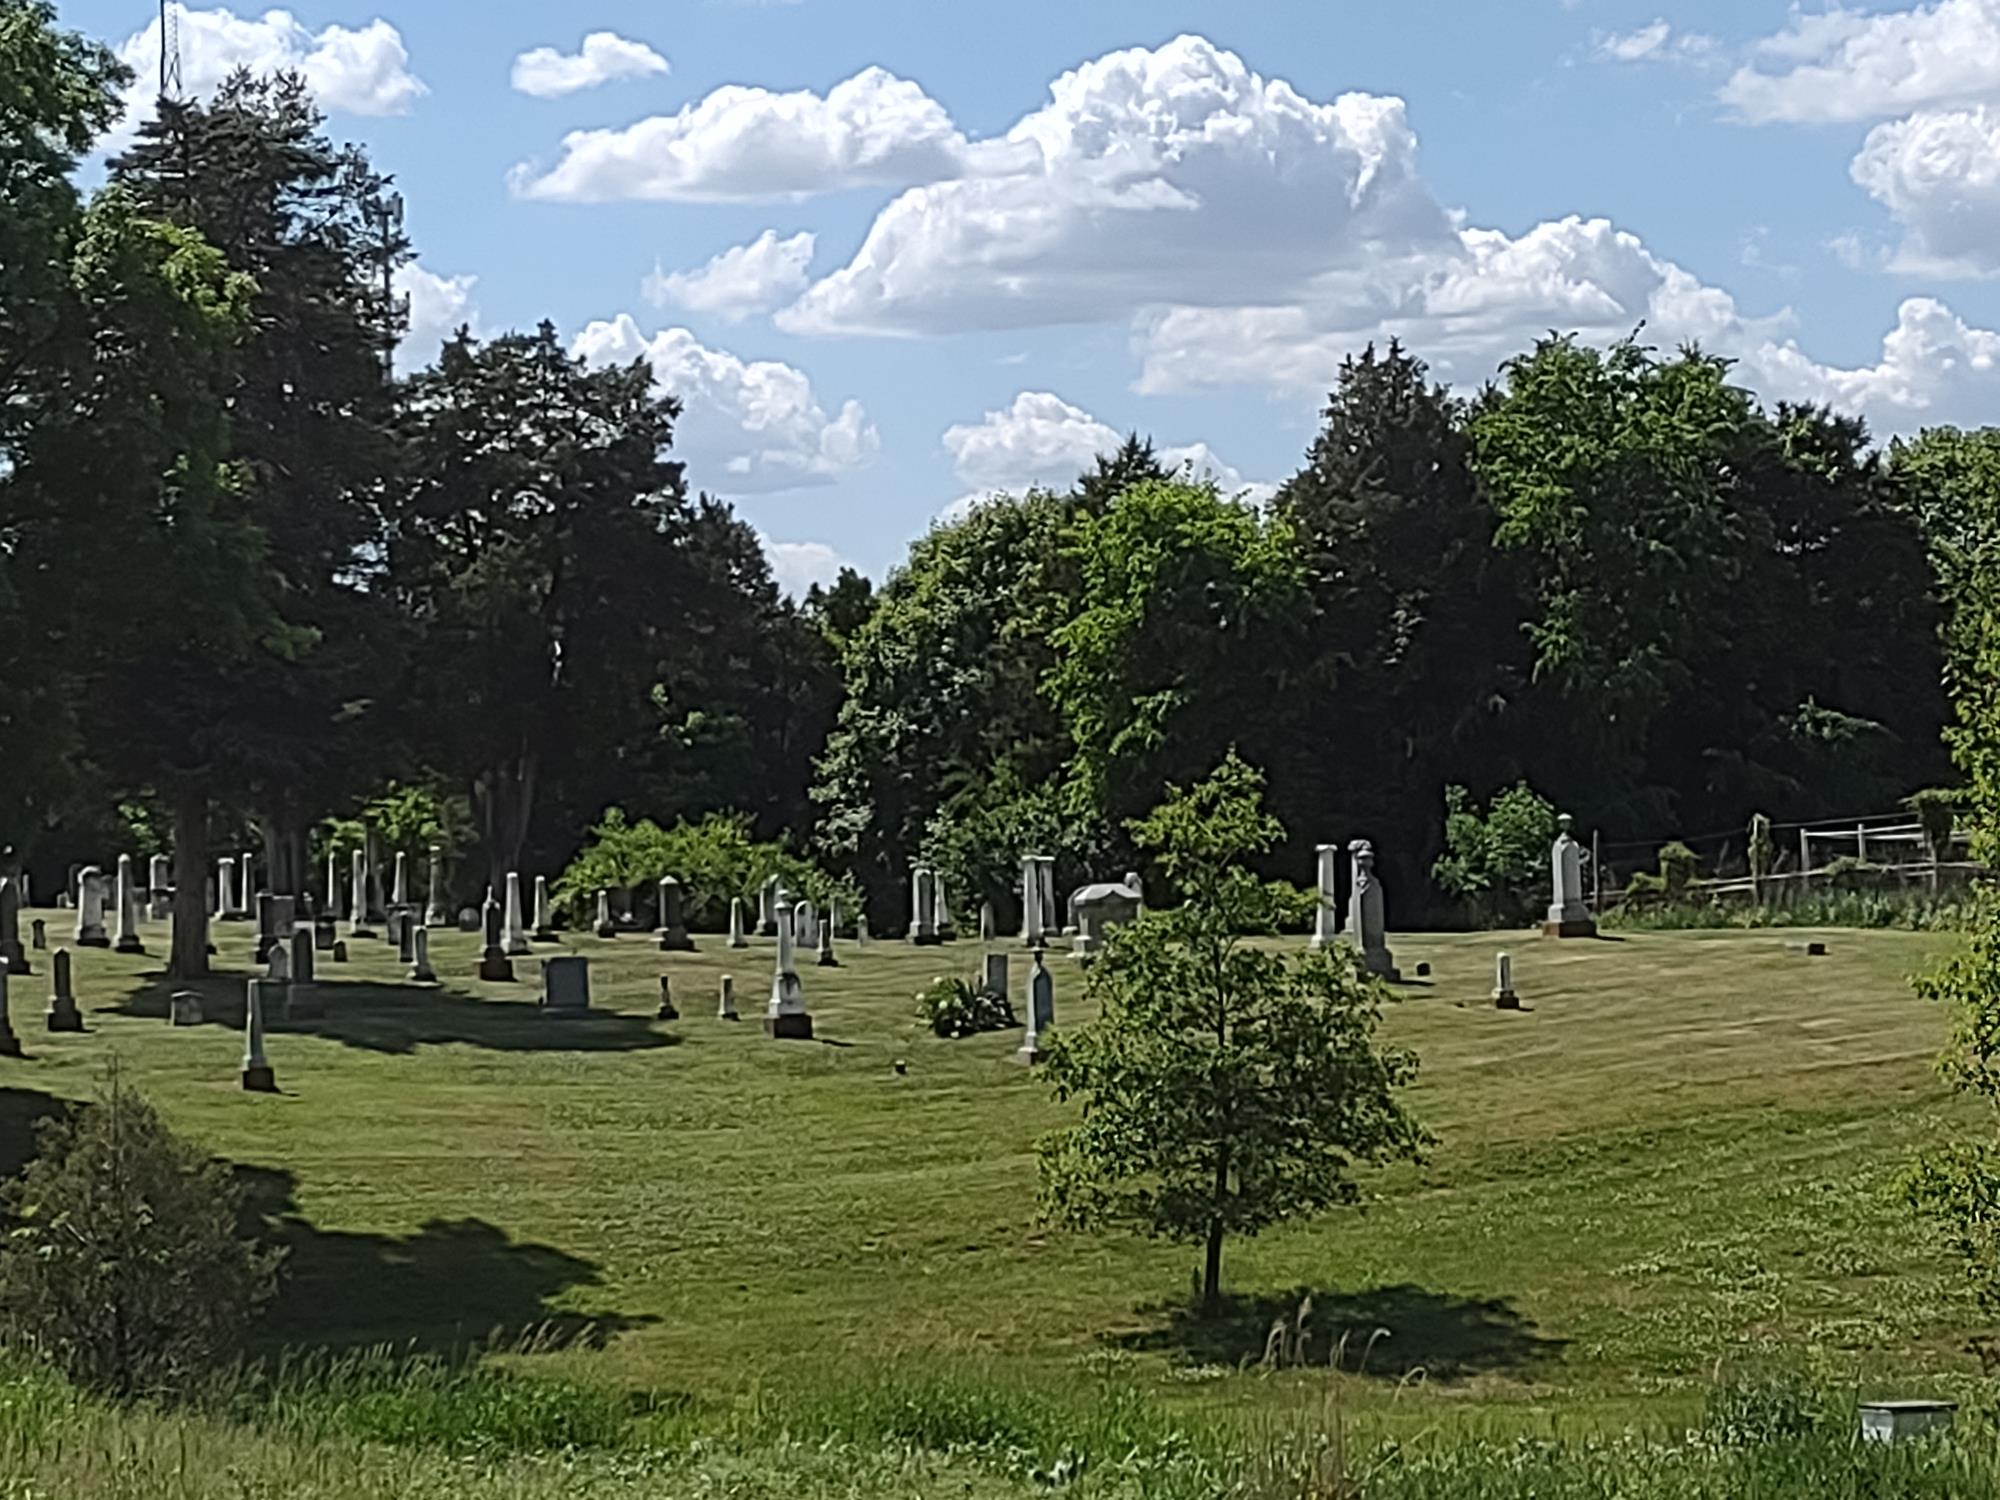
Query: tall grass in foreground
[383,1426]
[1906,911]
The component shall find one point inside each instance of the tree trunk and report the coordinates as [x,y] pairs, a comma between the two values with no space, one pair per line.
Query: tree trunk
[188,956]
[1211,1273]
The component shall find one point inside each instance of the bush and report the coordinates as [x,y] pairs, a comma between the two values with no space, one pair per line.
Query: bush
[1677,869]
[715,860]
[955,1008]
[1497,862]
[122,1262]
[1294,908]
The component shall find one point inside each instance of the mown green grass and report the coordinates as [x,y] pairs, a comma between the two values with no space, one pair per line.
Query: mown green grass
[1682,1156]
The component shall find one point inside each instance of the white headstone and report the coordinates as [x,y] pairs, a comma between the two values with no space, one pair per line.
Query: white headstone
[256,1067]
[1032,909]
[786,1016]
[399,888]
[159,887]
[605,926]
[736,937]
[225,886]
[1041,1010]
[1569,914]
[90,909]
[1326,914]
[128,908]
[357,919]
[545,927]
[515,934]
[923,907]
[1503,984]
[725,1008]
[436,914]
[1367,922]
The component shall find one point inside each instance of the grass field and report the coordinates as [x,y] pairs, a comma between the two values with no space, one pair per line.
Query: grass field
[1684,1152]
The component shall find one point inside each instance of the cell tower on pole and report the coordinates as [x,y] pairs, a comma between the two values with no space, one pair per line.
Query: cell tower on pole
[170,50]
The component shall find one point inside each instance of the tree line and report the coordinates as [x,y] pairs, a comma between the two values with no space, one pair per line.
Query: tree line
[251,580]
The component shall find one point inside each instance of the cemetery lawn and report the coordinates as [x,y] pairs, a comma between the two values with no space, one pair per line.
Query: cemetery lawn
[1683,1154]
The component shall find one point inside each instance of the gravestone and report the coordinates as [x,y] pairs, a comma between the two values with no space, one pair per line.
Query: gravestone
[90,931]
[825,946]
[399,884]
[666,1012]
[406,927]
[184,1008]
[11,952]
[378,909]
[1367,920]
[159,888]
[38,934]
[805,923]
[10,1044]
[989,926]
[436,913]
[246,879]
[303,998]
[332,904]
[1326,912]
[786,1018]
[267,931]
[225,887]
[494,965]
[1031,901]
[993,978]
[324,934]
[1569,914]
[468,919]
[340,950]
[923,908]
[767,907]
[736,937]
[516,935]
[257,1075]
[1503,983]
[357,917]
[63,1014]
[725,1007]
[606,928]
[1096,909]
[673,918]
[545,927]
[420,958]
[1041,1011]
[947,930]
[861,929]
[566,985]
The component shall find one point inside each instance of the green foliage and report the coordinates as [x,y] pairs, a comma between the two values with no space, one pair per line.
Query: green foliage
[715,860]
[1293,908]
[1762,848]
[955,1008]
[1189,612]
[1937,809]
[1645,909]
[123,1264]
[1224,1088]
[1497,861]
[1678,865]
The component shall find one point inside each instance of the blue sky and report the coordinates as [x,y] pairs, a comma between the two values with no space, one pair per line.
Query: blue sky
[898,253]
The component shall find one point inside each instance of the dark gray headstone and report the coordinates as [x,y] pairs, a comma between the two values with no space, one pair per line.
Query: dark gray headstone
[566,985]
[304,959]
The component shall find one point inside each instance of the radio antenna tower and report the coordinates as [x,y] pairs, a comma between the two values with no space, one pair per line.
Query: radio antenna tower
[170,50]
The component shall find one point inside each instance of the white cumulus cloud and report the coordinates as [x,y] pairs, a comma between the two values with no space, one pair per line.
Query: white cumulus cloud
[746,426]
[605,57]
[1938,174]
[741,281]
[797,566]
[357,71]
[750,144]
[1043,441]
[439,307]
[1842,65]
[1151,176]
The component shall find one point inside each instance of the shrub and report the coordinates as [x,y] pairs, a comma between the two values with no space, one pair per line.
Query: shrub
[715,860]
[1293,907]
[955,1008]
[122,1262]
[1497,862]
[1677,869]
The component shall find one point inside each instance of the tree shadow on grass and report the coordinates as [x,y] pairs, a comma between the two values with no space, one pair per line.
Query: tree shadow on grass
[399,1018]
[452,1287]
[1447,1337]
[21,1114]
